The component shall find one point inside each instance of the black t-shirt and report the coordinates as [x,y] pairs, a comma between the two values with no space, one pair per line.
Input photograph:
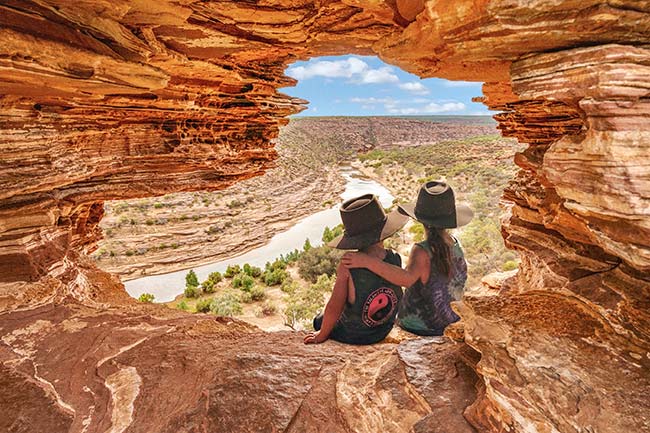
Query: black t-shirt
[372,315]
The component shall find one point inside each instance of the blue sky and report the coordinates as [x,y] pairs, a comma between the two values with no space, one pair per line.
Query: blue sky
[366,86]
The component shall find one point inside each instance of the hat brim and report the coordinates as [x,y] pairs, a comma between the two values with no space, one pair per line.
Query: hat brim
[394,221]
[463,216]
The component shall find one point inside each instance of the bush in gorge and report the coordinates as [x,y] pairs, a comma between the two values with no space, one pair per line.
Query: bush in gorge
[231,271]
[146,298]
[191,279]
[203,305]
[318,261]
[191,292]
[226,304]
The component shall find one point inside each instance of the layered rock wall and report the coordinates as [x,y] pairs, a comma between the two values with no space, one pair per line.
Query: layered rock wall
[109,100]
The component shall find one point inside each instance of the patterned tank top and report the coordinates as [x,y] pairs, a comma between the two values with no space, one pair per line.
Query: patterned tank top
[372,315]
[425,308]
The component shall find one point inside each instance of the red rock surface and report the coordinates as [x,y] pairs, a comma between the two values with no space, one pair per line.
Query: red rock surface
[121,99]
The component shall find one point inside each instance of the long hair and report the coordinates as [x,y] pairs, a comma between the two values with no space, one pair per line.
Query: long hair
[440,242]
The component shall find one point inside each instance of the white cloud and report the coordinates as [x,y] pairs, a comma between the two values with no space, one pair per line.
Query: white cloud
[355,70]
[330,69]
[372,100]
[414,87]
[411,106]
[462,84]
[430,108]
[376,76]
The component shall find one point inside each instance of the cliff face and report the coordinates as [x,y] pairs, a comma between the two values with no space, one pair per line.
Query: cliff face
[111,100]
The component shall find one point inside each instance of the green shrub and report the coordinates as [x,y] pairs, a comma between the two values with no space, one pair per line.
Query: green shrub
[243,282]
[191,279]
[304,303]
[146,297]
[182,306]
[257,293]
[267,309]
[245,297]
[330,234]
[232,270]
[306,246]
[234,204]
[215,277]
[509,265]
[275,277]
[208,286]
[252,271]
[226,304]
[192,292]
[289,286]
[317,261]
[203,305]
[158,205]
[291,257]
[277,264]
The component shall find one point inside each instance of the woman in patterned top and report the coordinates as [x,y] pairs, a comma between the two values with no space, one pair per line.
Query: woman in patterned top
[436,270]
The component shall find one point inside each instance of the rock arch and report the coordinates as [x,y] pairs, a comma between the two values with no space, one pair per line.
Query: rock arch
[101,99]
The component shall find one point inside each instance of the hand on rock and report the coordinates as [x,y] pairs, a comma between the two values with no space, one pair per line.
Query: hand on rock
[314,338]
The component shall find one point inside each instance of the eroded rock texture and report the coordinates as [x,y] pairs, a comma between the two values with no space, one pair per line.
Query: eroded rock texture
[120,99]
[151,370]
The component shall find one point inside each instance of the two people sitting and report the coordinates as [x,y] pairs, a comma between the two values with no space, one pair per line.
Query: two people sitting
[367,298]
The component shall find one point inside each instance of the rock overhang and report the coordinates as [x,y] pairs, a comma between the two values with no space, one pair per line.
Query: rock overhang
[101,98]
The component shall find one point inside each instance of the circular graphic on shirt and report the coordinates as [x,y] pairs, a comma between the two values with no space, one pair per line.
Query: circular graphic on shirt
[379,307]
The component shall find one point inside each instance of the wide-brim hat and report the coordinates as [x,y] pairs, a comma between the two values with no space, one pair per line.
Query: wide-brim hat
[366,223]
[436,207]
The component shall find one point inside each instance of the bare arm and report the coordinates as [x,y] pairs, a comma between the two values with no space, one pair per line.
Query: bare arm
[417,267]
[334,306]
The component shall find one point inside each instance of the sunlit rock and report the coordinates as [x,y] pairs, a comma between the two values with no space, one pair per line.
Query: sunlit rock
[120,99]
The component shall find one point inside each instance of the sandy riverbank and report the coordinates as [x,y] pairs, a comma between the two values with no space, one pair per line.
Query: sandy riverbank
[222,228]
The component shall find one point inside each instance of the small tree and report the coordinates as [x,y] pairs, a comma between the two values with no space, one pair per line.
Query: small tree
[252,271]
[208,286]
[303,304]
[215,277]
[232,270]
[191,292]
[330,234]
[274,277]
[191,279]
[203,305]
[317,261]
[146,298]
[226,304]
[257,293]
[243,281]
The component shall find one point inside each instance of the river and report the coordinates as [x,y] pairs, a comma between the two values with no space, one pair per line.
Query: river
[165,287]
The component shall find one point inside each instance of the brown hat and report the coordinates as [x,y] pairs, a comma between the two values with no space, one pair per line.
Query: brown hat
[436,207]
[366,223]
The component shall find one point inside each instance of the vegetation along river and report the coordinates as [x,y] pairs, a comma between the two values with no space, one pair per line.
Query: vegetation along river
[165,287]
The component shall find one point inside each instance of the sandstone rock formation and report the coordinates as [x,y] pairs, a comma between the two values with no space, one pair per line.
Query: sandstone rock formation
[120,99]
[145,370]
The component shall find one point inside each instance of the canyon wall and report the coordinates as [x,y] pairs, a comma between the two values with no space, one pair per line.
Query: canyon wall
[112,100]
